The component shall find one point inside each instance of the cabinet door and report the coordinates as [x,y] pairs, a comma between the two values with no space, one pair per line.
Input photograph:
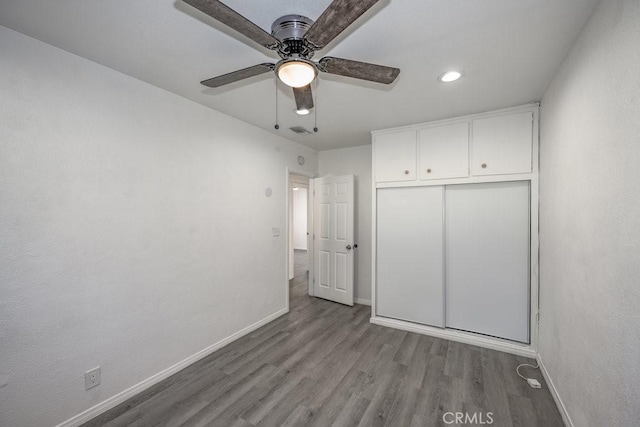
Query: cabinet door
[502,145]
[487,259]
[444,152]
[409,282]
[395,157]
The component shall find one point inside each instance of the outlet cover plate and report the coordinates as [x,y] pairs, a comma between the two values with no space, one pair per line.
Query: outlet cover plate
[92,378]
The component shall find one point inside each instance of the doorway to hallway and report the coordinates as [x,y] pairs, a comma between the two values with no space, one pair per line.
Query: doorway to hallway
[299,235]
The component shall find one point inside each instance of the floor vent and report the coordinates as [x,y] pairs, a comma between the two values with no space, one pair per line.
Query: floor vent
[300,130]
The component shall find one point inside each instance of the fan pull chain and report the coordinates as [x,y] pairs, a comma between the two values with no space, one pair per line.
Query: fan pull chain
[315,110]
[277,126]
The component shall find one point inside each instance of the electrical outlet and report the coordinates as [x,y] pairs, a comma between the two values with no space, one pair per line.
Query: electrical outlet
[92,378]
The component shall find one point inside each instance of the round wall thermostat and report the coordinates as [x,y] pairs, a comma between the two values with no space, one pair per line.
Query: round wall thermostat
[300,160]
[268,192]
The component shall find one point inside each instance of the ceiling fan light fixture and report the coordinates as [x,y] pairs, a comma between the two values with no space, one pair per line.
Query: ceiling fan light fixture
[450,76]
[302,112]
[296,73]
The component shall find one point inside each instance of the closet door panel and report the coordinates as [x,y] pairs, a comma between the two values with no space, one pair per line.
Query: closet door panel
[487,259]
[409,282]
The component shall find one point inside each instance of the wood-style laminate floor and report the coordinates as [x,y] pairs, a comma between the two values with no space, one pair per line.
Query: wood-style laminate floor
[324,364]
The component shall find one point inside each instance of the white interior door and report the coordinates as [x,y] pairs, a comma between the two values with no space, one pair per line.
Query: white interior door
[487,259]
[333,245]
[410,271]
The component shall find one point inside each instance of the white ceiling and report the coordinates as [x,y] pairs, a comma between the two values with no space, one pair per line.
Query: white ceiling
[508,50]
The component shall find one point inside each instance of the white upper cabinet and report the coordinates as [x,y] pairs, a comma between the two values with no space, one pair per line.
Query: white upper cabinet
[478,148]
[443,152]
[395,156]
[502,145]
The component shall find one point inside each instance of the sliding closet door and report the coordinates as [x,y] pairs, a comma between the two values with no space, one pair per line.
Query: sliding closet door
[487,259]
[409,278]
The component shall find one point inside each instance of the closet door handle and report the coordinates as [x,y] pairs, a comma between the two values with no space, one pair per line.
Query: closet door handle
[348,247]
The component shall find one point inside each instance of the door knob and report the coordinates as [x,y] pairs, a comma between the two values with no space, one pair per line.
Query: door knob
[348,247]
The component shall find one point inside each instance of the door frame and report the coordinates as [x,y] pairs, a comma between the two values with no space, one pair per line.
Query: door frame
[293,171]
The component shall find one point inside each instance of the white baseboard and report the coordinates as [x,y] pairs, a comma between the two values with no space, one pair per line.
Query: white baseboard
[114,401]
[464,337]
[362,301]
[554,392]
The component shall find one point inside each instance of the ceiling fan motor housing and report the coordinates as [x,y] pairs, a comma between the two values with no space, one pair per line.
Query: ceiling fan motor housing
[290,27]
[290,30]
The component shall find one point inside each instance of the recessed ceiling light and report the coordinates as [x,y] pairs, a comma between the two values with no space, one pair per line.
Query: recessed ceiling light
[303,112]
[450,76]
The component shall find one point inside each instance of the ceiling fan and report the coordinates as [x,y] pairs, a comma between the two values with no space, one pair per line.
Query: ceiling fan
[296,38]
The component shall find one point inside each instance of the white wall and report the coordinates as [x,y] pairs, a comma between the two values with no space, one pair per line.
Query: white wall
[590,222]
[127,218]
[355,161]
[300,218]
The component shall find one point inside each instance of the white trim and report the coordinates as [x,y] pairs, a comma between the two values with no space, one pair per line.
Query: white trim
[362,301]
[374,232]
[463,337]
[121,397]
[534,233]
[554,393]
[453,181]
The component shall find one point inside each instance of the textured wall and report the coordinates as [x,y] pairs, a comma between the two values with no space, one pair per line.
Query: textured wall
[355,161]
[128,218]
[590,221]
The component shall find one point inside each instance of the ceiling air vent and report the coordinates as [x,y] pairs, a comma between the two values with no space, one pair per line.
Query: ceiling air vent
[300,130]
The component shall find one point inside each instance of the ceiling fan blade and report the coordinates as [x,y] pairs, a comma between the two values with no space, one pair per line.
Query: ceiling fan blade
[235,76]
[358,70]
[220,12]
[335,18]
[304,97]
